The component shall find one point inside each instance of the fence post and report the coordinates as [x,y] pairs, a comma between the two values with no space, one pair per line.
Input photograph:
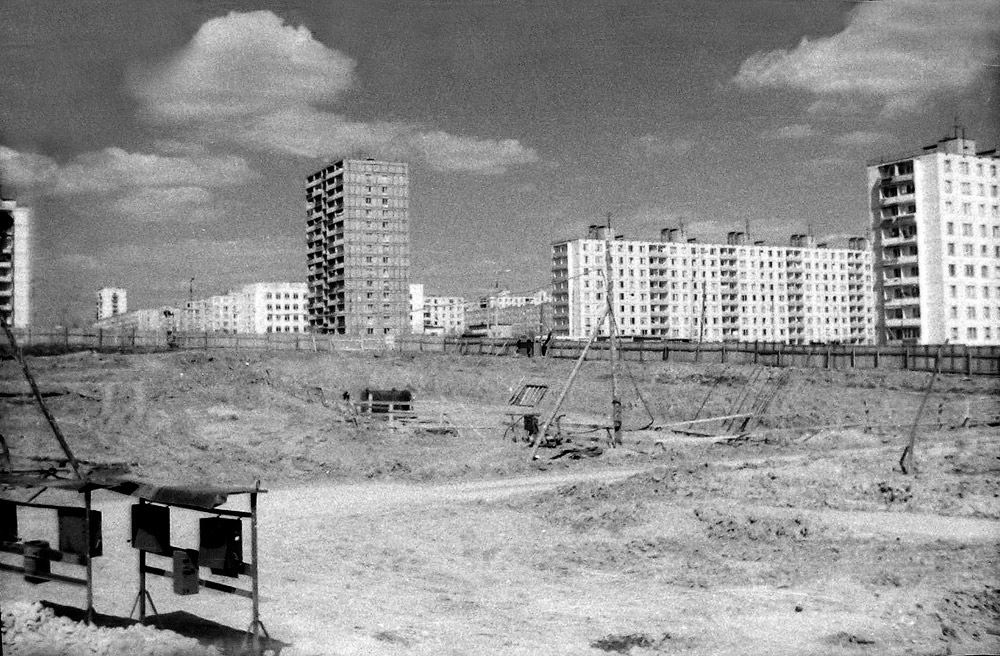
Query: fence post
[66,336]
[723,353]
[906,358]
[968,361]
[829,356]
[296,341]
[206,340]
[666,353]
[756,351]
[877,358]
[100,338]
[854,351]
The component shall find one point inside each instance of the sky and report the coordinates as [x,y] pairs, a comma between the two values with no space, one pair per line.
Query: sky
[159,141]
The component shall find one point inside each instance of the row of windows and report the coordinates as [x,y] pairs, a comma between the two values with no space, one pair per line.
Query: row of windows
[970,291]
[965,188]
[972,312]
[969,250]
[972,334]
[287,295]
[964,168]
[970,271]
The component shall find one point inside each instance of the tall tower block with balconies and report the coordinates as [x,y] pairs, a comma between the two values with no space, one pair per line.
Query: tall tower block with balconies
[358,248]
[935,219]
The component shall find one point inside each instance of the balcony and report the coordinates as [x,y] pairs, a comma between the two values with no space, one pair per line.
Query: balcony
[904,322]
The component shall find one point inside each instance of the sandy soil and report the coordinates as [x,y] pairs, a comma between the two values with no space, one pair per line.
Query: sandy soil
[444,538]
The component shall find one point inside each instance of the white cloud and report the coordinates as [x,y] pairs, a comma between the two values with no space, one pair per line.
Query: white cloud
[898,53]
[250,79]
[160,205]
[795,131]
[115,169]
[660,145]
[451,153]
[864,139]
[244,64]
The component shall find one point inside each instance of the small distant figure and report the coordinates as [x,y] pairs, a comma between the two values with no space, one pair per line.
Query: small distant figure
[346,396]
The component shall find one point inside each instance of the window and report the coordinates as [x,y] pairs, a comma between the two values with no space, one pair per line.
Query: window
[966,229]
[951,228]
[947,166]
[951,248]
[963,167]
[970,271]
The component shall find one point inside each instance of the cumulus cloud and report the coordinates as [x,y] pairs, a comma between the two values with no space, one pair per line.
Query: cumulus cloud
[244,64]
[897,53]
[250,79]
[114,169]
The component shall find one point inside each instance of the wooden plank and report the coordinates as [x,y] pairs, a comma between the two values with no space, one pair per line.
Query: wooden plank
[211,585]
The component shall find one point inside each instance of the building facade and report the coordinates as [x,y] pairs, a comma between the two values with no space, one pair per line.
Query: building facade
[444,315]
[111,301]
[679,289]
[358,248]
[935,216]
[271,307]
[416,296]
[265,307]
[510,315]
[15,264]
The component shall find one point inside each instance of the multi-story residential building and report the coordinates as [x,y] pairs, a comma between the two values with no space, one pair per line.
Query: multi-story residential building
[145,320]
[444,314]
[416,295]
[935,216]
[15,263]
[510,315]
[737,291]
[358,248]
[266,307]
[271,307]
[111,301]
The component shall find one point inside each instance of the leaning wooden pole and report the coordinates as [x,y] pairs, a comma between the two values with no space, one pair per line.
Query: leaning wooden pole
[609,295]
[41,402]
[562,395]
[906,461]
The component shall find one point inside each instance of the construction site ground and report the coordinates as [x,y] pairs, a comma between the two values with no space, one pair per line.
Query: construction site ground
[437,534]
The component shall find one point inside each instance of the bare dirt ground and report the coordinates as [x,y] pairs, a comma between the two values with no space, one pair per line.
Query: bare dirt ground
[442,537]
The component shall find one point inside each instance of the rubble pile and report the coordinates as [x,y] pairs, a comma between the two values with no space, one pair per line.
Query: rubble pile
[32,629]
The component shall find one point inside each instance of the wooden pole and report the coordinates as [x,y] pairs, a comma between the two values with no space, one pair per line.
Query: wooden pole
[616,405]
[89,616]
[255,571]
[565,390]
[906,461]
[41,402]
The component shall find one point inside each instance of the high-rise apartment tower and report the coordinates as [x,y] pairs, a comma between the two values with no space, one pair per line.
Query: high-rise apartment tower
[935,216]
[358,248]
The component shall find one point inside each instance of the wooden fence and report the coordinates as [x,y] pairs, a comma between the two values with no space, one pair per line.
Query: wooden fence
[955,358]
[43,341]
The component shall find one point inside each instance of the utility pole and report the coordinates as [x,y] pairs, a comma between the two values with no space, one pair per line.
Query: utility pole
[616,405]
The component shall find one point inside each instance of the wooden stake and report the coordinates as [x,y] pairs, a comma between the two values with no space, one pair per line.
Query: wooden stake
[906,461]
